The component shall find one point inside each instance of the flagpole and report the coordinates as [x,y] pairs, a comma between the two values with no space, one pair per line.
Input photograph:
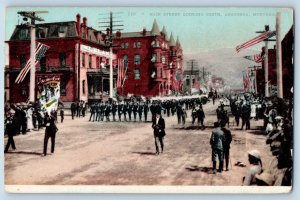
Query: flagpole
[32,62]
[278,57]
[266,64]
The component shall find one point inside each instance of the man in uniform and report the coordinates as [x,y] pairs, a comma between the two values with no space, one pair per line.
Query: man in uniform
[179,112]
[129,110]
[102,110]
[140,110]
[114,110]
[107,110]
[135,110]
[120,109]
[146,110]
[125,110]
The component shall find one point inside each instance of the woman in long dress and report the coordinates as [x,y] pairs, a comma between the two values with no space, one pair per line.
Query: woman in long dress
[29,119]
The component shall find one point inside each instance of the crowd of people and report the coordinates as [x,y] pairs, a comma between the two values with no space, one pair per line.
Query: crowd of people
[133,110]
[21,118]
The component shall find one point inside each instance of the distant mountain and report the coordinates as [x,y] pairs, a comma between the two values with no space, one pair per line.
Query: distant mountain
[225,63]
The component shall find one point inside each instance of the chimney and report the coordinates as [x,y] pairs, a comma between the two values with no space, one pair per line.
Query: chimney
[144,31]
[84,21]
[78,23]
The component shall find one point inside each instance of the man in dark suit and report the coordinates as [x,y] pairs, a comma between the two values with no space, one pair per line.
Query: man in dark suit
[73,109]
[50,132]
[158,125]
[216,141]
[11,130]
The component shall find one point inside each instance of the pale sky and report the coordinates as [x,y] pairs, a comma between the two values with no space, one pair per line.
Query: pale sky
[208,29]
[204,33]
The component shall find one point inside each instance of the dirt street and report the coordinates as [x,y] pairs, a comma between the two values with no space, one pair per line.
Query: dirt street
[110,153]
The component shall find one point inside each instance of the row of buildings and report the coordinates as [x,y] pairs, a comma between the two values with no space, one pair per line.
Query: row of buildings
[287,46]
[79,57]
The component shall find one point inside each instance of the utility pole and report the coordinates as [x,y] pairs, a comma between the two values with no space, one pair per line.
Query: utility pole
[192,63]
[33,18]
[110,28]
[266,62]
[278,57]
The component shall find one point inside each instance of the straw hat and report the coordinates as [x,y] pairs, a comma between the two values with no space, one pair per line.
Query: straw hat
[255,153]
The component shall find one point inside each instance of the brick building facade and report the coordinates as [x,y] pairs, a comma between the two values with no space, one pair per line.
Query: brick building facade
[287,46]
[83,74]
[153,62]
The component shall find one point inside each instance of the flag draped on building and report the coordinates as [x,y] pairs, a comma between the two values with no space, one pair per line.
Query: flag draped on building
[258,58]
[196,84]
[256,40]
[38,54]
[245,80]
[122,70]
[48,92]
[176,81]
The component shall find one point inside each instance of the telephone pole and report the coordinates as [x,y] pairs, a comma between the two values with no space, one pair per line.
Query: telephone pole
[266,62]
[32,16]
[110,28]
[192,62]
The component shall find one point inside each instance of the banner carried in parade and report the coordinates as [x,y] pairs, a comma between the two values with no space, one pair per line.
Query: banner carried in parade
[255,40]
[48,92]
[39,53]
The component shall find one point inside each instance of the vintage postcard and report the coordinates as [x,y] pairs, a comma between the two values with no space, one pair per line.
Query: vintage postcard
[148,100]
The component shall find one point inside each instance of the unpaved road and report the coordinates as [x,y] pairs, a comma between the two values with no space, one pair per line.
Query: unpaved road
[110,153]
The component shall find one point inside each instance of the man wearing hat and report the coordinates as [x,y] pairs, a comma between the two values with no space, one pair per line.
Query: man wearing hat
[10,129]
[216,141]
[158,125]
[255,167]
[50,132]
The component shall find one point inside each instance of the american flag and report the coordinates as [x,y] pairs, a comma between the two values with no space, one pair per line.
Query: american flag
[256,40]
[39,53]
[122,70]
[257,57]
[197,85]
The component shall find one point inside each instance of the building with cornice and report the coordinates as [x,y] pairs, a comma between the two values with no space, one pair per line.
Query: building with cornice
[77,55]
[153,62]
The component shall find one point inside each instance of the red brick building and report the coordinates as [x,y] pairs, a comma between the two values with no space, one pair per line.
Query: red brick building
[287,46]
[153,61]
[83,73]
